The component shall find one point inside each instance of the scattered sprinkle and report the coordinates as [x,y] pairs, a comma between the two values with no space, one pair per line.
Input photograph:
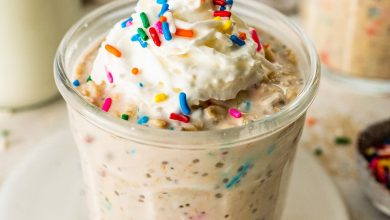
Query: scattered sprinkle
[89,78]
[163,19]
[318,152]
[110,78]
[143,120]
[227,25]
[107,104]
[342,140]
[256,39]
[166,31]
[185,109]
[222,13]
[241,173]
[235,113]
[217,18]
[125,117]
[158,26]
[111,49]
[145,20]
[184,33]
[142,34]
[237,40]
[311,121]
[179,117]
[156,39]
[164,8]
[135,71]
[76,83]
[242,35]
[141,85]
[219,2]
[127,22]
[160,97]
[142,43]
[161,2]
[135,37]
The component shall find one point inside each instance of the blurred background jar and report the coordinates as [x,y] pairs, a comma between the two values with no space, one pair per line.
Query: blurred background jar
[30,33]
[285,6]
[352,38]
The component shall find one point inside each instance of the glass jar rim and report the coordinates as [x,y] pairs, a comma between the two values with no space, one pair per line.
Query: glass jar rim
[151,136]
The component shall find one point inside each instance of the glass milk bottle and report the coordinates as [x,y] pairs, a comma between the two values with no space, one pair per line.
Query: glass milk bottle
[31,31]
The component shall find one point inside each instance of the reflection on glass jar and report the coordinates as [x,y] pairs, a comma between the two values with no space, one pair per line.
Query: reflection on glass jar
[352,36]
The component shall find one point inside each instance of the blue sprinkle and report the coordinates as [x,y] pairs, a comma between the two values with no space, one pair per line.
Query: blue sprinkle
[229,2]
[185,109]
[143,120]
[124,23]
[271,149]
[248,106]
[142,43]
[166,31]
[135,37]
[234,181]
[164,8]
[222,8]
[161,2]
[237,40]
[76,83]
[141,85]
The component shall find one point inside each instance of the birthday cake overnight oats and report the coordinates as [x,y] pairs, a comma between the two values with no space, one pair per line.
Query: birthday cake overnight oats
[200,92]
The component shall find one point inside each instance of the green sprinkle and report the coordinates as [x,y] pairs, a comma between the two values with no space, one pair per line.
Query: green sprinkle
[89,78]
[125,117]
[342,140]
[142,34]
[145,20]
[4,133]
[318,152]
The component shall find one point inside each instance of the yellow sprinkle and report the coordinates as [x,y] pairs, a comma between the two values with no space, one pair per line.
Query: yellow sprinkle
[227,25]
[217,18]
[176,90]
[160,97]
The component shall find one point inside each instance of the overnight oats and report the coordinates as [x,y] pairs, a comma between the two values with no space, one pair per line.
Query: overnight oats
[352,37]
[186,109]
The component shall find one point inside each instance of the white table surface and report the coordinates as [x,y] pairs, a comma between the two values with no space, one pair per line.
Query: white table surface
[338,109]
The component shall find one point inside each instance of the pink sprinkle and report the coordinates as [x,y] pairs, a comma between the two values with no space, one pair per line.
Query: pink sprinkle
[256,38]
[107,104]
[109,75]
[129,23]
[373,164]
[235,113]
[158,26]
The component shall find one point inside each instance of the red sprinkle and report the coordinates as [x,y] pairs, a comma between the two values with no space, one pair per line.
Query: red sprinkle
[107,104]
[179,117]
[155,37]
[256,38]
[219,2]
[222,13]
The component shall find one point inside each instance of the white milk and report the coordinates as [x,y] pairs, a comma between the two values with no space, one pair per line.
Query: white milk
[30,33]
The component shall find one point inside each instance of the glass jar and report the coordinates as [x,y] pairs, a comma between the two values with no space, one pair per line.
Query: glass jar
[353,40]
[138,172]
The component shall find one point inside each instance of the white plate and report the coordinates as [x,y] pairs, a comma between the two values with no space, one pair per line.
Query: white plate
[48,186]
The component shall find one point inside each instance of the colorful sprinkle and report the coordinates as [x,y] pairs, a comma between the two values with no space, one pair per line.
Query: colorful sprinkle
[217,18]
[143,120]
[164,8]
[158,26]
[156,39]
[107,104]
[111,49]
[76,83]
[237,40]
[184,33]
[89,78]
[227,25]
[125,117]
[179,117]
[235,113]
[141,85]
[135,71]
[229,2]
[166,31]
[185,109]
[160,97]
[222,13]
[311,121]
[142,43]
[142,34]
[163,19]
[242,35]
[145,20]
[219,2]
[342,140]
[256,39]
[127,22]
[161,2]
[110,78]
[135,37]
[236,179]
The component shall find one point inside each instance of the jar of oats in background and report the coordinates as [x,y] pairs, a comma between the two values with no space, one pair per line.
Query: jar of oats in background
[352,38]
